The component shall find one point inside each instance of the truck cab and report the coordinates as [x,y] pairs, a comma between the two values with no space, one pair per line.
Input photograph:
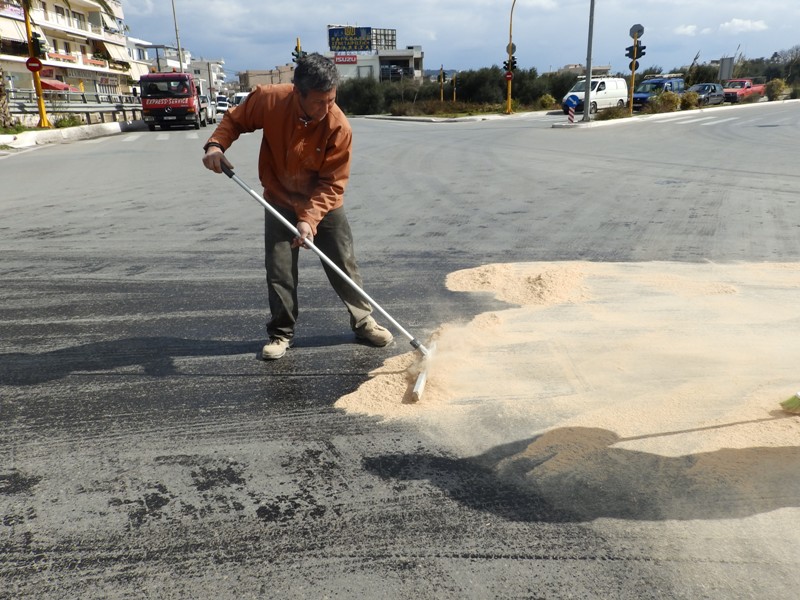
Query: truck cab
[173,99]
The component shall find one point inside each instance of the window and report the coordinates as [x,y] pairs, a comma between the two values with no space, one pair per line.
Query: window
[44,10]
[79,20]
[67,48]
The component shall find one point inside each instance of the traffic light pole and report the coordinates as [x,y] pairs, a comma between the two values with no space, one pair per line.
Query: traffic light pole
[510,49]
[37,82]
[633,74]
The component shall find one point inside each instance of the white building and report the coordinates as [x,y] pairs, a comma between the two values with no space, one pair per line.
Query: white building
[373,52]
[81,46]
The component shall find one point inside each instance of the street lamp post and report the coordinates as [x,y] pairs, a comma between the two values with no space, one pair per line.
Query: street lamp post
[510,50]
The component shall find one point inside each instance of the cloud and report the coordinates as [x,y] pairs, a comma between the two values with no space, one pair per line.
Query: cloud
[742,26]
[689,30]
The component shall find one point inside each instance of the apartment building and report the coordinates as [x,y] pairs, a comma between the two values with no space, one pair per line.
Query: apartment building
[81,47]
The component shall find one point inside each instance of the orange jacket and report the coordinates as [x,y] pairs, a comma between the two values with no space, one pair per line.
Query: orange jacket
[302,166]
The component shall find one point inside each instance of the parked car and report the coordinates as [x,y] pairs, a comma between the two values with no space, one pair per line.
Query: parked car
[222,106]
[211,110]
[653,85]
[708,93]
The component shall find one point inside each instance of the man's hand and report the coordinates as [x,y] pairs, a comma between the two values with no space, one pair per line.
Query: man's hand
[214,158]
[305,234]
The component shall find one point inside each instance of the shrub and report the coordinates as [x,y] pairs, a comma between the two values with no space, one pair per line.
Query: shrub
[663,102]
[547,102]
[613,112]
[360,96]
[68,121]
[690,100]
[775,89]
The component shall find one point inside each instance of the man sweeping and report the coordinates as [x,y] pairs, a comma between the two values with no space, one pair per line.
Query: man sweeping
[304,166]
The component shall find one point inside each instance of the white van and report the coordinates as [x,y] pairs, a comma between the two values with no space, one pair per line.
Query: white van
[238,98]
[606,92]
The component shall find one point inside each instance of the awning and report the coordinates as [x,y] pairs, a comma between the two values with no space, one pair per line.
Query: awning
[117,52]
[55,84]
[11,29]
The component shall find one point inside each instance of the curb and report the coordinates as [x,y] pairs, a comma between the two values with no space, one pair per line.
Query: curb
[28,139]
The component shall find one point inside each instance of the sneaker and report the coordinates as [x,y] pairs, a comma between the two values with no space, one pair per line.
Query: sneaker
[276,348]
[373,333]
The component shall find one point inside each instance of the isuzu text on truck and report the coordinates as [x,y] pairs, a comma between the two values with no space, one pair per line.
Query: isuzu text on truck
[172,99]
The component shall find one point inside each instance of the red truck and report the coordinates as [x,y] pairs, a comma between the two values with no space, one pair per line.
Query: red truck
[173,99]
[737,90]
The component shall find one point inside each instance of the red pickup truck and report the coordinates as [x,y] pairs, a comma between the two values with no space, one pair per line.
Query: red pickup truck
[737,90]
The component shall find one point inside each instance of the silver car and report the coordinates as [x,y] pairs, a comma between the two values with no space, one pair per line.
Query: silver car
[708,93]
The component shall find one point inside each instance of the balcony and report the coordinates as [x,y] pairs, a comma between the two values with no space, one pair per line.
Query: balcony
[71,58]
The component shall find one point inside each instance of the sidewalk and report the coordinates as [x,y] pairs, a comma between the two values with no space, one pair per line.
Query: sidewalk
[27,139]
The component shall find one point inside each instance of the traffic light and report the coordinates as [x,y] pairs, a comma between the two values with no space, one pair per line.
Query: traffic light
[506,66]
[635,51]
[513,64]
[297,53]
[37,44]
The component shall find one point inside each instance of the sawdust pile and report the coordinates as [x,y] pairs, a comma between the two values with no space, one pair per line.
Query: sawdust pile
[663,357]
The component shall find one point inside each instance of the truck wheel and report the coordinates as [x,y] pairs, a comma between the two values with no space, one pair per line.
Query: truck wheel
[203,119]
[593,107]
[197,122]
[620,104]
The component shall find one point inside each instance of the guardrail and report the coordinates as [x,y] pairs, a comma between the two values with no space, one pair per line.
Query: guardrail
[93,107]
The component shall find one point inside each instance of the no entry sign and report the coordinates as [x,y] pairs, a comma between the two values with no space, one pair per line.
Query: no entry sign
[33,64]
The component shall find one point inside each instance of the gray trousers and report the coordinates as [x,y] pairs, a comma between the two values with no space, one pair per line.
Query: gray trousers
[335,240]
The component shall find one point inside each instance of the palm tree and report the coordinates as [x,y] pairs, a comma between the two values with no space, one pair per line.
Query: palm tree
[5,113]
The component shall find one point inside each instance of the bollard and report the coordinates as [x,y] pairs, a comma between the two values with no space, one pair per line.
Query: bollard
[571,114]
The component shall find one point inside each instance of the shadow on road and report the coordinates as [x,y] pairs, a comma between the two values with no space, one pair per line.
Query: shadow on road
[576,474]
[154,354]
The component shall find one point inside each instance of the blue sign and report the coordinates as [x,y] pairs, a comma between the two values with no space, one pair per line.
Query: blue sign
[350,39]
[572,101]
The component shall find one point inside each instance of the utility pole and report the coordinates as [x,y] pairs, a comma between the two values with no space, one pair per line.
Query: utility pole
[177,37]
[587,95]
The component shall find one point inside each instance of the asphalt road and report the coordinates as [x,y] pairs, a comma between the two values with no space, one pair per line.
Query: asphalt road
[147,453]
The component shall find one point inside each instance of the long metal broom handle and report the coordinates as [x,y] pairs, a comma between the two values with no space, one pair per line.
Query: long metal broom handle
[415,343]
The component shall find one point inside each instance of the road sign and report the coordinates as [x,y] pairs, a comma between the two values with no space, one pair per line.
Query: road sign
[573,100]
[33,64]
[637,31]
[511,48]
[634,65]
[509,75]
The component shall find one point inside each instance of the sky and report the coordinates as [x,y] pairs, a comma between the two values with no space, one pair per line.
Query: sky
[471,34]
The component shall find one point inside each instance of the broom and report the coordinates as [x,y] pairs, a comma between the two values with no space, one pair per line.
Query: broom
[792,405]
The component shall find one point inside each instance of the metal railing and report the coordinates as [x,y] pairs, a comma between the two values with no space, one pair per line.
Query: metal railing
[93,107]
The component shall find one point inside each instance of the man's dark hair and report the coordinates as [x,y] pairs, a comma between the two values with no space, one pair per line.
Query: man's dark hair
[316,73]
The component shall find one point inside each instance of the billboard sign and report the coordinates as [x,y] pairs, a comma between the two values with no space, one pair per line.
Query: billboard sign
[350,39]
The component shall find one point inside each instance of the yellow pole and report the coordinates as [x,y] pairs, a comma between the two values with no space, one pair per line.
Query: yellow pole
[37,82]
[633,76]
[510,54]
[441,83]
